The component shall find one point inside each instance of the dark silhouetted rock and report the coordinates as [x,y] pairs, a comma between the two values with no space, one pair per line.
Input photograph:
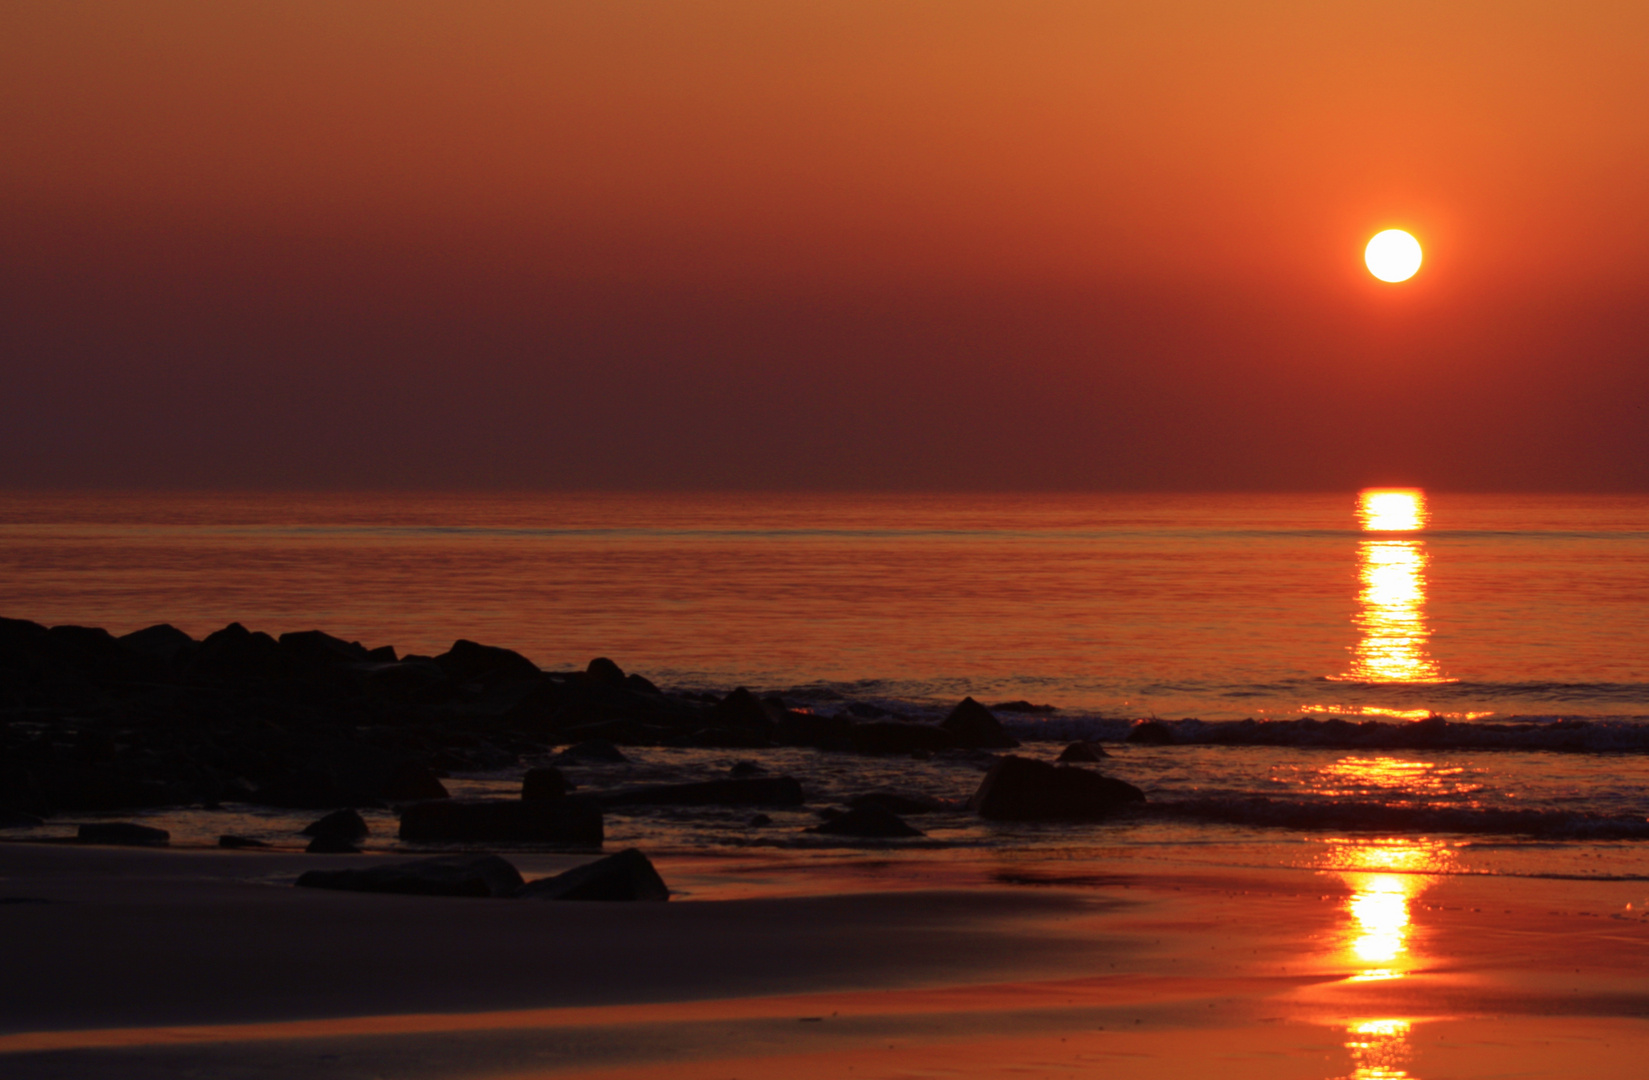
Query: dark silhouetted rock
[413,781]
[447,875]
[230,841]
[1151,733]
[973,725]
[162,641]
[315,648]
[750,791]
[866,711]
[336,833]
[745,768]
[383,654]
[467,661]
[236,653]
[895,803]
[572,819]
[16,819]
[1082,751]
[758,821]
[603,670]
[124,833]
[1021,706]
[593,752]
[897,737]
[544,783]
[639,685]
[628,875]
[741,710]
[1019,789]
[869,822]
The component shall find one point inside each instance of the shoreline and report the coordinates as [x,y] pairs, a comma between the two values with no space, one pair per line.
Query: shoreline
[264,978]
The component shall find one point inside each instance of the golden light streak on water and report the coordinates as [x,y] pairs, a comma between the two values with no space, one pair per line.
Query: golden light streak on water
[1391,600]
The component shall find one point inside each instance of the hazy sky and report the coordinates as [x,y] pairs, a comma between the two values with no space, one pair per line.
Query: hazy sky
[822,243]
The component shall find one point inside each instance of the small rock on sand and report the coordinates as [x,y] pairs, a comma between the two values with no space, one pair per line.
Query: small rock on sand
[123,833]
[869,822]
[629,875]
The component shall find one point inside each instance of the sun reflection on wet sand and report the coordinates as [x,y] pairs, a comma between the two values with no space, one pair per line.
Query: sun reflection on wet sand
[1379,1049]
[1385,876]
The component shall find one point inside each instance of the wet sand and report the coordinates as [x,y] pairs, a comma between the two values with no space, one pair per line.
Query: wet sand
[136,963]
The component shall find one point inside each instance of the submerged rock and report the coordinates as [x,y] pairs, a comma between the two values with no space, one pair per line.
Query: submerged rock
[593,752]
[447,875]
[898,737]
[870,822]
[747,791]
[628,875]
[123,833]
[973,725]
[569,820]
[1083,751]
[236,842]
[1019,789]
[1151,733]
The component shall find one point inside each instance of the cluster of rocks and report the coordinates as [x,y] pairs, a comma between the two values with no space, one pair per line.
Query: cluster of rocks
[155,718]
[92,722]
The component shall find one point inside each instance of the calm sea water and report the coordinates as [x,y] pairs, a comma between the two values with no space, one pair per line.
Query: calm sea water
[1109,607]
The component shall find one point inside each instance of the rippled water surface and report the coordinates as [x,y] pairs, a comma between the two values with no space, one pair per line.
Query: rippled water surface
[1393,606]
[1213,606]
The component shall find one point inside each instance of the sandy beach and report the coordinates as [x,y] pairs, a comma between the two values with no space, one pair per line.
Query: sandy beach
[164,963]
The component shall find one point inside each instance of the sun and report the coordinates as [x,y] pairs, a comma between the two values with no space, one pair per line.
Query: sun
[1392,255]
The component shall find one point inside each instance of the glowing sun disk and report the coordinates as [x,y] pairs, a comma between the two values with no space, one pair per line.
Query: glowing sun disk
[1393,255]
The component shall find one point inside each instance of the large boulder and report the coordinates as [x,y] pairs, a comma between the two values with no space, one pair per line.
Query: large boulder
[977,727]
[236,653]
[162,641]
[316,648]
[1019,789]
[468,661]
[448,875]
[569,820]
[869,822]
[603,670]
[123,833]
[746,791]
[628,875]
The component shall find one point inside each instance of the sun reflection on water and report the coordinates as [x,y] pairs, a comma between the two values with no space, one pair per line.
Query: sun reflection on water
[1391,598]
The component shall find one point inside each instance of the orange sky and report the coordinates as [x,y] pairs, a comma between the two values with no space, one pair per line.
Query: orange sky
[785,243]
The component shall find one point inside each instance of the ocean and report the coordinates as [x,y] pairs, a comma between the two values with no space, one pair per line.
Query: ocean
[1305,649]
